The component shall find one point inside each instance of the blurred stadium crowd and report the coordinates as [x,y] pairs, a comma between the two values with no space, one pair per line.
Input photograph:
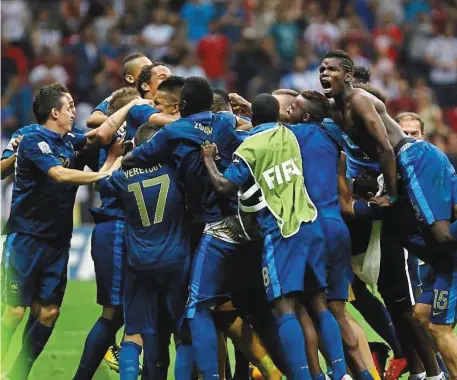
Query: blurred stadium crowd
[245,46]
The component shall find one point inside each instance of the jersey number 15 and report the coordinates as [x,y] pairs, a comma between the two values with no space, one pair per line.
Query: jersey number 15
[164,182]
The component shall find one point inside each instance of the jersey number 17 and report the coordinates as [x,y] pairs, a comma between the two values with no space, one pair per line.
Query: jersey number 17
[164,182]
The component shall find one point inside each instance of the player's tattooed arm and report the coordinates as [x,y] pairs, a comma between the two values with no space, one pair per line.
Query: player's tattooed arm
[364,109]
[106,131]
[221,184]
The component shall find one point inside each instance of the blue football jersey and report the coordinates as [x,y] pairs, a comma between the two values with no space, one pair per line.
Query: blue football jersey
[138,115]
[41,206]
[103,106]
[320,158]
[76,138]
[179,144]
[356,160]
[154,215]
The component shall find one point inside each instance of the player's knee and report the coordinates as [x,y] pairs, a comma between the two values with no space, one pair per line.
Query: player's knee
[35,309]
[112,313]
[338,309]
[135,338]
[49,315]
[13,315]
[422,313]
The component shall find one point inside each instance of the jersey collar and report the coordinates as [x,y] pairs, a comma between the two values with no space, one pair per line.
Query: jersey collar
[50,133]
[205,116]
[263,127]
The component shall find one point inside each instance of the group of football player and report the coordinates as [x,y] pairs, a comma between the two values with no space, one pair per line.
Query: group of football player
[222,218]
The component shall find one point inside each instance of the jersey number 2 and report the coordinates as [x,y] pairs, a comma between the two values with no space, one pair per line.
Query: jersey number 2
[164,182]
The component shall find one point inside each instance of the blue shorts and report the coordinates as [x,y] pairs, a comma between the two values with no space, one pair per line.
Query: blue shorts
[427,175]
[333,270]
[284,260]
[35,269]
[444,306]
[154,301]
[414,271]
[108,255]
[209,284]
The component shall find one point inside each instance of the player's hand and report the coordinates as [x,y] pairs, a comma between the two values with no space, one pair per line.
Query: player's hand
[116,149]
[208,150]
[240,105]
[16,142]
[382,201]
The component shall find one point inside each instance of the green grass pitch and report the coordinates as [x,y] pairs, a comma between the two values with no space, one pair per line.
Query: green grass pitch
[79,312]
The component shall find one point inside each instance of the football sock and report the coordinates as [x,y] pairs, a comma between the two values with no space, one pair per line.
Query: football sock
[129,361]
[204,341]
[33,345]
[364,375]
[184,364]
[438,377]
[99,339]
[241,365]
[28,326]
[331,336]
[156,357]
[291,335]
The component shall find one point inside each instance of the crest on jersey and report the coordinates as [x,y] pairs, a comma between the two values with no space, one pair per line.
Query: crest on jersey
[44,147]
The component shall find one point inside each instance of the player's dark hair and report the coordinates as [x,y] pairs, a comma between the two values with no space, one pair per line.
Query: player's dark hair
[265,109]
[125,66]
[285,91]
[172,85]
[145,76]
[366,182]
[196,96]
[47,98]
[372,90]
[221,101]
[360,74]
[343,57]
[411,115]
[144,133]
[120,98]
[60,87]
[319,105]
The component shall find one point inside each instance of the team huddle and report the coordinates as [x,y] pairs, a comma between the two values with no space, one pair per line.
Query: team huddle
[222,219]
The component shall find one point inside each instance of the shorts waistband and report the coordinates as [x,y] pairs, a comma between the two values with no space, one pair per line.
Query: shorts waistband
[403,145]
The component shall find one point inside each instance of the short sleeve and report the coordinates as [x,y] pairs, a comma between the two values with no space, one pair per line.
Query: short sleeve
[9,151]
[36,149]
[238,172]
[78,140]
[103,106]
[141,113]
[228,117]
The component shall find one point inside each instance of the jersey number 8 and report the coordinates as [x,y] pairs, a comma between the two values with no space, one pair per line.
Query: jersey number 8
[164,182]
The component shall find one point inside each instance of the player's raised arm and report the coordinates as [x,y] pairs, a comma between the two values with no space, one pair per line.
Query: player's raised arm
[106,131]
[221,184]
[96,119]
[364,108]
[74,177]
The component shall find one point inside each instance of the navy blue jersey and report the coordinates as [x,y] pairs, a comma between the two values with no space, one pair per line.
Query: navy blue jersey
[75,137]
[154,215]
[179,143]
[356,160]
[40,206]
[320,167]
[103,106]
[138,115]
